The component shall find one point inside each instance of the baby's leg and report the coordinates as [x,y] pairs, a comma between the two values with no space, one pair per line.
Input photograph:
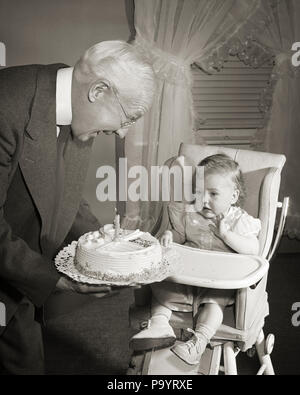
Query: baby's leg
[159,313]
[159,333]
[211,316]
[166,298]
[209,320]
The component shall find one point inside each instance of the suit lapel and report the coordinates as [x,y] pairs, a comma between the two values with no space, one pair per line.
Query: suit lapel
[40,148]
[39,159]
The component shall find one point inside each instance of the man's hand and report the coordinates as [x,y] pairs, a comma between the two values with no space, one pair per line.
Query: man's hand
[166,239]
[98,291]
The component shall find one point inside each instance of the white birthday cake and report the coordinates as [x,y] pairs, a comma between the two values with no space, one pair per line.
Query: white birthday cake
[125,254]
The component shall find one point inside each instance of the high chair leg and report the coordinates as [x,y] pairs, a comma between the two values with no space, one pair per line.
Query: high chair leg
[229,359]
[264,349]
[214,367]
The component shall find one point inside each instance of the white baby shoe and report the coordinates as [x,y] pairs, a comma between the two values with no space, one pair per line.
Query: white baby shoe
[157,335]
[192,350]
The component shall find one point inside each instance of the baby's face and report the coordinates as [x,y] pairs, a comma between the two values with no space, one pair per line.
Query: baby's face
[219,194]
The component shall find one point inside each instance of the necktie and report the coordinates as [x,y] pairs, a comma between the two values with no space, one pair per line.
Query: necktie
[60,173]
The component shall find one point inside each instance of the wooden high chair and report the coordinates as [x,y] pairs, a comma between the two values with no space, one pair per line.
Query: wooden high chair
[242,328]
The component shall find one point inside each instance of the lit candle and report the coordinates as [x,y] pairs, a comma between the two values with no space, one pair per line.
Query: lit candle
[117,226]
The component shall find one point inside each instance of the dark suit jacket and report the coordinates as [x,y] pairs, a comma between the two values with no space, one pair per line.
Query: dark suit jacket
[28,156]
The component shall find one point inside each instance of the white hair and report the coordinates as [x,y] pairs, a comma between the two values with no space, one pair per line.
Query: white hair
[120,63]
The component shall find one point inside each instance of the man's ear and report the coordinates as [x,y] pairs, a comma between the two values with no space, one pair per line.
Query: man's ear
[97,90]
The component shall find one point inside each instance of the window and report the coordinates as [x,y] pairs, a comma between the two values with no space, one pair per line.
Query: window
[227,104]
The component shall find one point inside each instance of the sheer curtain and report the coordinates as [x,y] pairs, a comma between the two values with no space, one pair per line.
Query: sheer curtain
[173,34]
[282,134]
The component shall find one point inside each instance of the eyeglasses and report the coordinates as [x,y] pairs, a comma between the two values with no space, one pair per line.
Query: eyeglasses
[130,120]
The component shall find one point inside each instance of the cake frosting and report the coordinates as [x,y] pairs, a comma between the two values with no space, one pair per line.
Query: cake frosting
[106,255]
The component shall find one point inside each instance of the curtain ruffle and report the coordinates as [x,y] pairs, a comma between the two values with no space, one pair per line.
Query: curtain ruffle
[241,41]
[166,66]
[283,69]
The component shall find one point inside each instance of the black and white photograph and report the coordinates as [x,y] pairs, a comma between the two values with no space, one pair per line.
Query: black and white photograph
[149,191]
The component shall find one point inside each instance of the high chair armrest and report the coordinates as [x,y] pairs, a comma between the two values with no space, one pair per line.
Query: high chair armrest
[249,303]
[268,207]
[284,211]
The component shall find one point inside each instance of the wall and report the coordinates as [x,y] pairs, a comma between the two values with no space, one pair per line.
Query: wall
[50,31]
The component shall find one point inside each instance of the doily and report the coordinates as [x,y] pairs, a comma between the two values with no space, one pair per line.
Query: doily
[64,263]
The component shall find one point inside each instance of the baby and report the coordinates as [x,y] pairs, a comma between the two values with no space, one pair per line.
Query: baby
[217,224]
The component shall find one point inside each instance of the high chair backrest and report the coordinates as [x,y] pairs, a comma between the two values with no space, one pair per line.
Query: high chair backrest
[262,173]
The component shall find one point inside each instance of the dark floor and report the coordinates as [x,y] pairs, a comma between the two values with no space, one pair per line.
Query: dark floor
[93,338]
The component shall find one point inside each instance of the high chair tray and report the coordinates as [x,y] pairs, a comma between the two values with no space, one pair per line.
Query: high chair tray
[221,270]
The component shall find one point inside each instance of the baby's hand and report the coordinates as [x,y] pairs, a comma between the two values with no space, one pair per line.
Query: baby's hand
[166,239]
[220,228]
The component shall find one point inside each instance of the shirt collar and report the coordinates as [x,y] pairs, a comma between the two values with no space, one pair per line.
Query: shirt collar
[63,96]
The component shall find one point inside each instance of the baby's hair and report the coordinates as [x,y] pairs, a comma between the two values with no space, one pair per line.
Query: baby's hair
[222,163]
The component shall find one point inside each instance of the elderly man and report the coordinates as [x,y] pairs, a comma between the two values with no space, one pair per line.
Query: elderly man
[49,116]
